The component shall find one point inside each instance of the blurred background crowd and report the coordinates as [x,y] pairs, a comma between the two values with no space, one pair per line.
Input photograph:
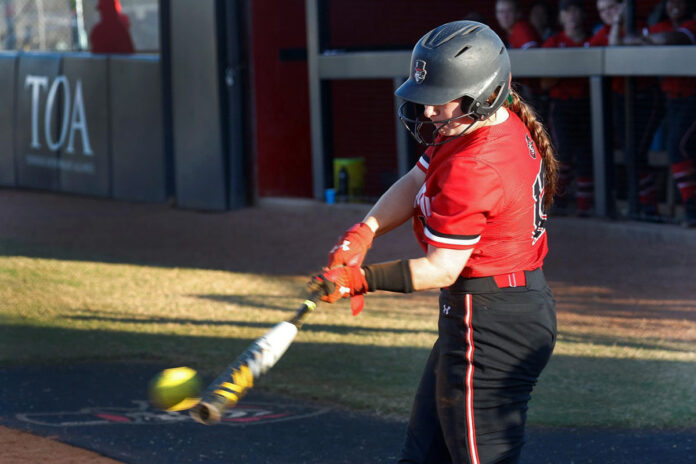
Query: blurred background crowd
[662,135]
[666,107]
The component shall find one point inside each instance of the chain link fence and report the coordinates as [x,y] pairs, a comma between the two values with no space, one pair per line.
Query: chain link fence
[64,25]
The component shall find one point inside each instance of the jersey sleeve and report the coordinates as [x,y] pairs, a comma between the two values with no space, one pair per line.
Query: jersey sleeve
[467,192]
[424,161]
[689,29]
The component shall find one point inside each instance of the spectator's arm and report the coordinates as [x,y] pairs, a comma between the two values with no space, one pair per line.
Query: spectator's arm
[547,82]
[659,38]
[615,33]
[616,25]
[668,38]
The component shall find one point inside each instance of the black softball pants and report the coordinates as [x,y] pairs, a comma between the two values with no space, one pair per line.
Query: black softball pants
[471,404]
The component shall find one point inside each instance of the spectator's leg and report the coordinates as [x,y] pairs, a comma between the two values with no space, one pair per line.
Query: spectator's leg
[559,135]
[579,115]
[650,111]
[681,148]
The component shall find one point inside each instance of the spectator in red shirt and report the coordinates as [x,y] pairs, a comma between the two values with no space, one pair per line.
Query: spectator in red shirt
[540,17]
[648,106]
[680,93]
[519,33]
[569,113]
[110,34]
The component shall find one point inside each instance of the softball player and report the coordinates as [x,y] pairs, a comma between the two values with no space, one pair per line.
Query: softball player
[478,198]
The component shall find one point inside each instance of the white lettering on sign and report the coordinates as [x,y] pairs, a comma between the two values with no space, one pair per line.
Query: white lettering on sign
[36,82]
[73,120]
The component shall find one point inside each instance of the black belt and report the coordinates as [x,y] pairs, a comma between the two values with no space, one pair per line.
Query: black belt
[530,280]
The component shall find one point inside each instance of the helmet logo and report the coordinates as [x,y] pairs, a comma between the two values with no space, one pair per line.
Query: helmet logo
[419,72]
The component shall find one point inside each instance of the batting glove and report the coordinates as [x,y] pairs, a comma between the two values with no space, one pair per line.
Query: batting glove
[342,282]
[352,246]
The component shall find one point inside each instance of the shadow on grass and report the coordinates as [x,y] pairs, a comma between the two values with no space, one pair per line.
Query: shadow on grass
[603,341]
[253,301]
[266,302]
[308,327]
[165,255]
[636,309]
[573,390]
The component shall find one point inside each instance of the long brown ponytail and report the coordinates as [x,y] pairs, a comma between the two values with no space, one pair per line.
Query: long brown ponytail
[542,141]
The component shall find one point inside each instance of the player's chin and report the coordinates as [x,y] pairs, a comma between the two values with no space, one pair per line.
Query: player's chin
[448,131]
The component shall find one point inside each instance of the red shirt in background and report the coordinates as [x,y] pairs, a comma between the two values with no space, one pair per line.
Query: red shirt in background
[675,87]
[618,84]
[574,87]
[523,35]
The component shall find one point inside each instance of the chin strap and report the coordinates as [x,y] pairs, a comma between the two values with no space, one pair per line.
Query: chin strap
[437,125]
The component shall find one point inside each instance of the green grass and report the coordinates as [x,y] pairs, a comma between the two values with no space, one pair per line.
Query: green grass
[60,310]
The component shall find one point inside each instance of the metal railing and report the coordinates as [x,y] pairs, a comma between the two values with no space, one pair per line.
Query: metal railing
[594,63]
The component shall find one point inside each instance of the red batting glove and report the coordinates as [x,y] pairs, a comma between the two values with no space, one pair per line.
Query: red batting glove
[352,246]
[343,282]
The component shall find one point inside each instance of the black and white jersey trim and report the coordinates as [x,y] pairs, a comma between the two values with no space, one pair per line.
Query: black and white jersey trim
[448,239]
[424,161]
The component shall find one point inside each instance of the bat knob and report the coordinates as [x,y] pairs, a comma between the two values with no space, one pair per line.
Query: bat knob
[206,414]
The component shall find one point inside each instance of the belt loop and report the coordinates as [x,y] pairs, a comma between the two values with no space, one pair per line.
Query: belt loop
[511,280]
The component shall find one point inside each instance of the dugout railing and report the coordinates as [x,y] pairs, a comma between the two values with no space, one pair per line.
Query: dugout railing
[597,64]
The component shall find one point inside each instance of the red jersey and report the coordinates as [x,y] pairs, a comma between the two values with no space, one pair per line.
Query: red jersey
[618,84]
[675,87]
[523,35]
[566,88]
[485,191]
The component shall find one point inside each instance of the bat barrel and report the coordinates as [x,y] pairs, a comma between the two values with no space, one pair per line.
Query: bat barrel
[239,377]
[206,413]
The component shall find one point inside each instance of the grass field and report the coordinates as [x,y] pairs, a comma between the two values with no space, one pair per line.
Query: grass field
[60,310]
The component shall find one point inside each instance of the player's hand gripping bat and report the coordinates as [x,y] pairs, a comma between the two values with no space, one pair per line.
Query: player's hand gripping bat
[230,386]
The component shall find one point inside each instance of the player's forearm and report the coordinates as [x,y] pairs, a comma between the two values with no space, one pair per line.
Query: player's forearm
[440,268]
[395,206]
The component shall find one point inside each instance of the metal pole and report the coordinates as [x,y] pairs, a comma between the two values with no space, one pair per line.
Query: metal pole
[315,101]
[601,156]
[80,17]
[630,17]
[42,24]
[401,135]
[630,126]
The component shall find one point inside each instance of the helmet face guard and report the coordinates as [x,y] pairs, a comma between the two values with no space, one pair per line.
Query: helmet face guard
[424,130]
[460,60]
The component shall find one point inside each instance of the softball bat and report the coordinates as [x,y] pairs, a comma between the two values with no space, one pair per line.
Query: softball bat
[236,380]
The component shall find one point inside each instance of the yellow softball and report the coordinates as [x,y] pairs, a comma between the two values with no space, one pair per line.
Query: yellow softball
[175,389]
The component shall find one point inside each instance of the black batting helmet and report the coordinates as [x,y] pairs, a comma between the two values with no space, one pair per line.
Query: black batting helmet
[458,59]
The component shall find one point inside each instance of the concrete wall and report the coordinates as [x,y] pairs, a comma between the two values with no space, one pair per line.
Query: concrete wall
[82,123]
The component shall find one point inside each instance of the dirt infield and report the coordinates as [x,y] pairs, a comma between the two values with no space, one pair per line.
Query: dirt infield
[648,268]
[20,448]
